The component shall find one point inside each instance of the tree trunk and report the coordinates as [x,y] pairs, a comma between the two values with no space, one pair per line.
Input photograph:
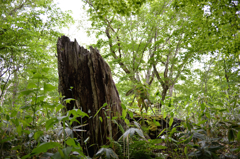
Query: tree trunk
[171,90]
[15,86]
[164,93]
[87,78]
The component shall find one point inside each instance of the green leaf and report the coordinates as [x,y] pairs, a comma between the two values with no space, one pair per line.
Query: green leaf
[104,105]
[67,151]
[230,135]
[161,132]
[164,115]
[127,121]
[27,92]
[62,118]
[156,122]
[72,142]
[44,147]
[202,122]
[100,118]
[203,106]
[68,100]
[171,122]
[123,106]
[49,87]
[56,156]
[59,107]
[38,76]
[14,113]
[7,117]
[26,107]
[31,85]
[130,114]
[61,153]
[19,130]
[124,113]
[45,70]
[37,135]
[77,113]
[51,122]
[238,136]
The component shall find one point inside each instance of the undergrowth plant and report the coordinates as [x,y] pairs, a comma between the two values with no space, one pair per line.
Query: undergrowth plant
[38,127]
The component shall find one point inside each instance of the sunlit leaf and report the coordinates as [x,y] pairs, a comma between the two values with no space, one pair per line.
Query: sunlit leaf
[124,113]
[49,87]
[104,105]
[171,122]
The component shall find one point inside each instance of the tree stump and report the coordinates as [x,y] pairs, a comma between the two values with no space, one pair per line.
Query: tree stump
[86,77]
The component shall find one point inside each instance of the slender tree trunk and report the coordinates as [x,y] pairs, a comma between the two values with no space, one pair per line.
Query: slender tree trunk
[171,88]
[164,93]
[91,83]
[15,86]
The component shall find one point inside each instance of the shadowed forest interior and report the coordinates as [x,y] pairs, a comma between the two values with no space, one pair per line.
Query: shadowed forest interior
[160,79]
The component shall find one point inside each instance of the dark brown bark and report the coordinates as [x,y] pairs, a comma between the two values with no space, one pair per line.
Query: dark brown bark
[92,86]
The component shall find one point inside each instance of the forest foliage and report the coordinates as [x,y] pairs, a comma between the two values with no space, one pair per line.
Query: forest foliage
[170,59]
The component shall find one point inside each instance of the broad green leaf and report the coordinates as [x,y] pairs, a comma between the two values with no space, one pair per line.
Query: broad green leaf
[57,155]
[127,121]
[19,130]
[7,117]
[49,87]
[67,151]
[45,70]
[124,113]
[31,85]
[123,106]
[50,123]
[71,142]
[27,92]
[203,106]
[164,115]
[44,147]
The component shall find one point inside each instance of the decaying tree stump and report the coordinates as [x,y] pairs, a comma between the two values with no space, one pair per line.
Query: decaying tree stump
[86,77]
